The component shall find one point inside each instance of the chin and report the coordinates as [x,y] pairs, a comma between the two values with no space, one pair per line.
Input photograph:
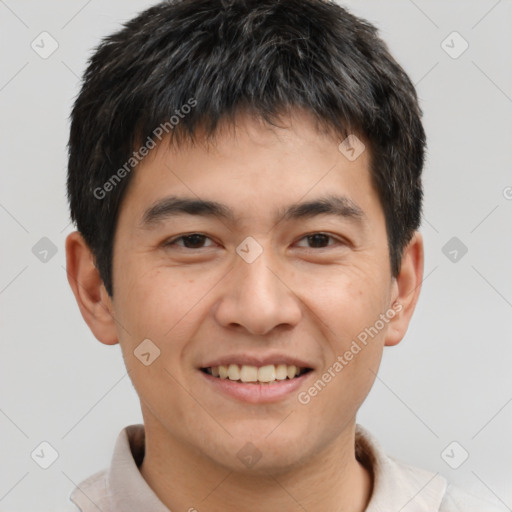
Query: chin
[275,454]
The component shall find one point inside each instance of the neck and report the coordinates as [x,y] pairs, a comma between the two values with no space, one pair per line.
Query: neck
[184,479]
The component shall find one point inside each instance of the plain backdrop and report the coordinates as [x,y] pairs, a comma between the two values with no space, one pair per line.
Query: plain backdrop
[450,378]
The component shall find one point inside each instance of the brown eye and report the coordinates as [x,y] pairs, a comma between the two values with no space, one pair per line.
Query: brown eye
[318,240]
[192,241]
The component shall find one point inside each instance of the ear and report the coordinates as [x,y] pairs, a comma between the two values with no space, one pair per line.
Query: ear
[406,290]
[89,290]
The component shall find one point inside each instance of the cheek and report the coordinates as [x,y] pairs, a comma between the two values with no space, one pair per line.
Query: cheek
[156,305]
[347,307]
[165,305]
[344,383]
[152,299]
[346,299]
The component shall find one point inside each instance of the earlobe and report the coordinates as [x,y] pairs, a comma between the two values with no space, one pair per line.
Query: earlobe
[89,290]
[406,290]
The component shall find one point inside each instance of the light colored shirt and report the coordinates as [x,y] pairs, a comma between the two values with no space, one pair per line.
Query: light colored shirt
[396,486]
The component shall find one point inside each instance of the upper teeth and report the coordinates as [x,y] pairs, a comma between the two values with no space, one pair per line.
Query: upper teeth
[246,373]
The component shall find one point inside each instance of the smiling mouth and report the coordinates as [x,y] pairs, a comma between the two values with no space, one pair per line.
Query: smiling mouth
[256,375]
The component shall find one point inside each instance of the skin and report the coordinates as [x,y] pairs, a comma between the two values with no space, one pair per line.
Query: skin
[198,304]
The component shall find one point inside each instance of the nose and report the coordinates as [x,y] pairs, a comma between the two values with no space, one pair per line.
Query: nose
[257,297]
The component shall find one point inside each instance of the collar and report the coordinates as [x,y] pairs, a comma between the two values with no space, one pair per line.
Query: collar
[128,490]
[396,485]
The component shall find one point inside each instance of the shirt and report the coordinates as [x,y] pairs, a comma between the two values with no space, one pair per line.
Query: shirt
[396,486]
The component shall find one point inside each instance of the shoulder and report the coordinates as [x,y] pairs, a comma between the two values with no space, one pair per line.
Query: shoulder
[110,489]
[91,494]
[399,484]
[458,500]
[431,491]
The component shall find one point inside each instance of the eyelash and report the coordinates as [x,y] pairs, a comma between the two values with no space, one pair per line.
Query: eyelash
[182,237]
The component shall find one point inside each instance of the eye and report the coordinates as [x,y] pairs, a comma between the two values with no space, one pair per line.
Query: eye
[192,241]
[319,240]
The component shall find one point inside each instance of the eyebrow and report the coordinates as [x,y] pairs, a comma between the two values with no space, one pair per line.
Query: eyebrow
[172,206]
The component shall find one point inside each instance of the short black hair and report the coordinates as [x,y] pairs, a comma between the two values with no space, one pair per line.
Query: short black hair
[182,64]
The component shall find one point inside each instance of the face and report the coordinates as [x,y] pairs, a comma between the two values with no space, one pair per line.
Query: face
[266,248]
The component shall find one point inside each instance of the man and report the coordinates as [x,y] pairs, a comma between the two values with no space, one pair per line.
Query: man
[246,182]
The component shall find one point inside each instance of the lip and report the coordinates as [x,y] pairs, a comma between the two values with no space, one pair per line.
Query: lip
[257,393]
[257,360]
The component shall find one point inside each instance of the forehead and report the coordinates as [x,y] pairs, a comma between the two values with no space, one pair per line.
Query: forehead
[251,168]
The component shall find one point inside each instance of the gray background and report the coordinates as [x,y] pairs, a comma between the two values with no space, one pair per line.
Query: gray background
[450,378]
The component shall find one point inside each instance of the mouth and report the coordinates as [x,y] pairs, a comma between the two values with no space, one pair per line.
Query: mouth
[247,374]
